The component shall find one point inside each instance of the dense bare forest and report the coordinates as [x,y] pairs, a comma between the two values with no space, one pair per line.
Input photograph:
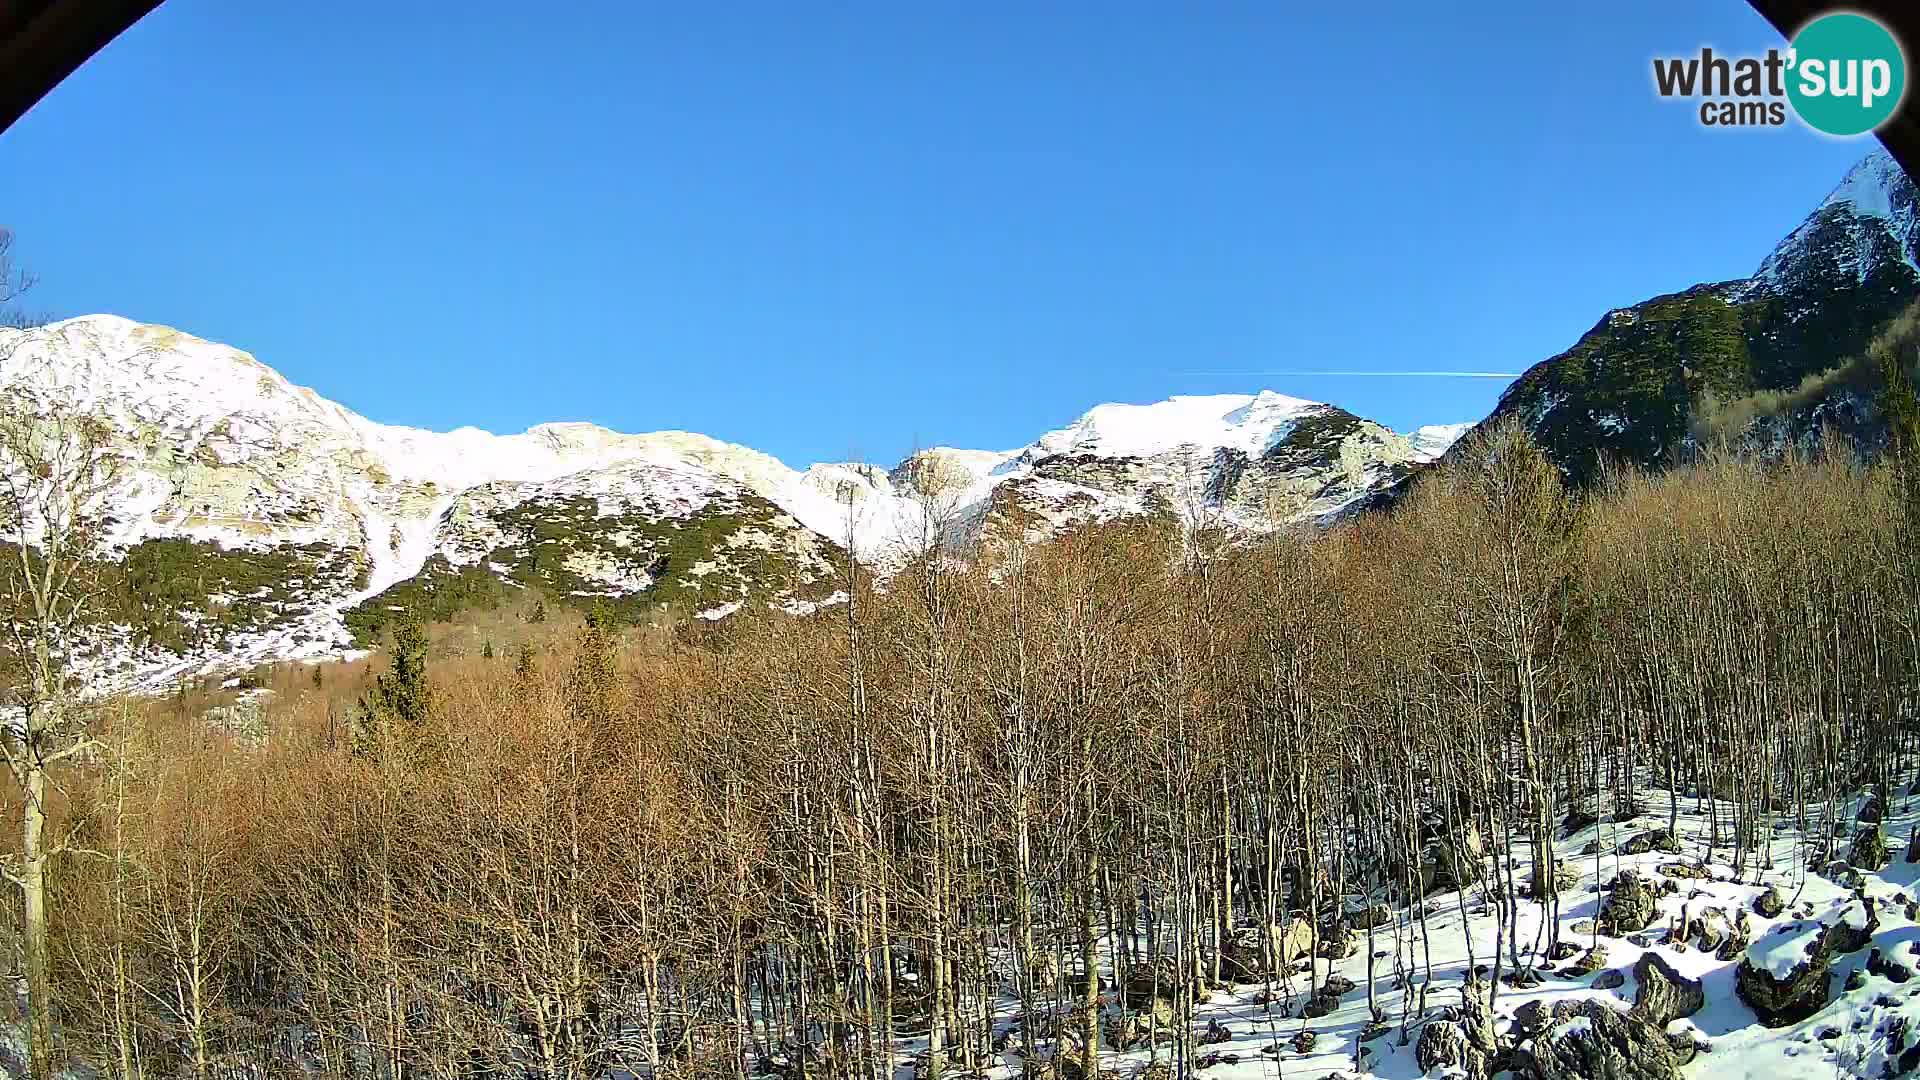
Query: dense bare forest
[1037,799]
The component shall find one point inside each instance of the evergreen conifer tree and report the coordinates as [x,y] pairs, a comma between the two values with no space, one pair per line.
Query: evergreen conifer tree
[398,710]
[591,683]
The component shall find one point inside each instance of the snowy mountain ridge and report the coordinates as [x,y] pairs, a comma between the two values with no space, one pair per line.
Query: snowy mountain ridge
[226,453]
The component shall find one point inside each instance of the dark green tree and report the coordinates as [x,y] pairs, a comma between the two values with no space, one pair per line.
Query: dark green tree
[398,711]
[590,686]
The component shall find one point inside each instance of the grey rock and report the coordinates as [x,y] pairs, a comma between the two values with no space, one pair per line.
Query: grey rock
[1664,994]
[1630,906]
[1609,1044]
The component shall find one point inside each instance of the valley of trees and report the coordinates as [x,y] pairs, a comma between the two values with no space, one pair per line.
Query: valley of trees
[1076,782]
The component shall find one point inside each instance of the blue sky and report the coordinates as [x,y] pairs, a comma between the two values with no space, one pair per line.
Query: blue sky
[844,230]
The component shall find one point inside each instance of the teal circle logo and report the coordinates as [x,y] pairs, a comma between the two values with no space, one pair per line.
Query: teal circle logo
[1847,74]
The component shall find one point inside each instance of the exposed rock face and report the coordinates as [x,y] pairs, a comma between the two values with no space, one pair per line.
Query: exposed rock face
[1889,967]
[1339,943]
[1590,1041]
[1687,1045]
[1589,962]
[1531,1018]
[1246,953]
[1369,917]
[1157,979]
[1770,903]
[1449,864]
[1292,940]
[1665,995]
[1710,930]
[1852,926]
[1253,460]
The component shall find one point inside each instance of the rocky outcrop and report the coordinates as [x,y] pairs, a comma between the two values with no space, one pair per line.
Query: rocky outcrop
[1665,995]
[1630,905]
[1158,979]
[1647,380]
[1247,949]
[1589,962]
[1651,840]
[1449,864]
[1443,1045]
[1590,1040]
[1852,926]
[1869,849]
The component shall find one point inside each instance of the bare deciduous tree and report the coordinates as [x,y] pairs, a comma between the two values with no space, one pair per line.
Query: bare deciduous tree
[55,471]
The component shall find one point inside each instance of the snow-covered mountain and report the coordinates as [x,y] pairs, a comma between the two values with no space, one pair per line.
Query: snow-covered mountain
[313,525]
[1648,380]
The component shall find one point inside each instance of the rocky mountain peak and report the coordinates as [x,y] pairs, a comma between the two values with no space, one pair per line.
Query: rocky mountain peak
[1871,219]
[1774,355]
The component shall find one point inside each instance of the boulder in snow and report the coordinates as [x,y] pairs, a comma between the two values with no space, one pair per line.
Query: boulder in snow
[1665,995]
[1443,1045]
[1594,1040]
[1651,840]
[1630,906]
[1786,976]
[1869,849]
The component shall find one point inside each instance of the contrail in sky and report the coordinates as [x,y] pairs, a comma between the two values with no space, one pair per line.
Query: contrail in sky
[1377,374]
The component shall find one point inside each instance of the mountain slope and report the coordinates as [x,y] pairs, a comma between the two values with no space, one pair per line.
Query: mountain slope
[1635,385]
[257,520]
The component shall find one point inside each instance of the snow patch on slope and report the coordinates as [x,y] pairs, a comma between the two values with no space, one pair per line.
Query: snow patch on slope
[1430,441]
[1240,421]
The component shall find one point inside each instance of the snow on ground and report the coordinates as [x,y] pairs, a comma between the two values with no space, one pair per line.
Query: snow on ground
[1845,1038]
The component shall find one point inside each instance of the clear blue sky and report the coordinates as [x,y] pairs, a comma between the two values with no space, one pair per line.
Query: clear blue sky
[832,230]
